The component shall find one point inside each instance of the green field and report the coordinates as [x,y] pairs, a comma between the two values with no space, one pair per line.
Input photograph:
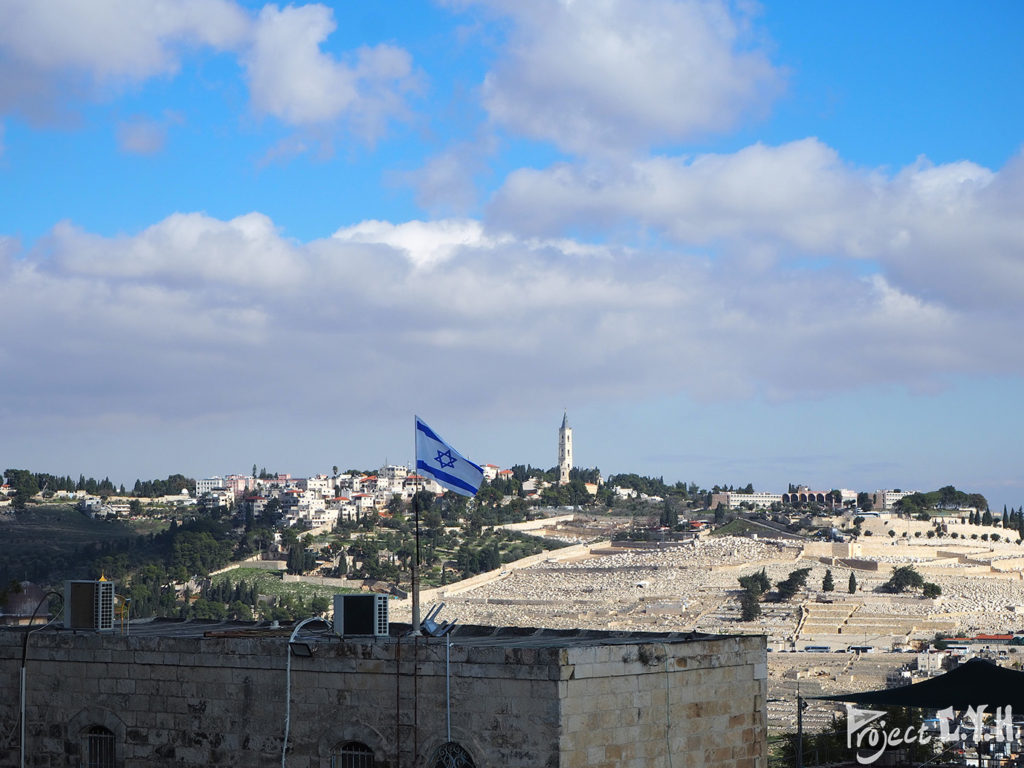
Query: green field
[270,583]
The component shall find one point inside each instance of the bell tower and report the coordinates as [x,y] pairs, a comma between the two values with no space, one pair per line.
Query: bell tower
[564,450]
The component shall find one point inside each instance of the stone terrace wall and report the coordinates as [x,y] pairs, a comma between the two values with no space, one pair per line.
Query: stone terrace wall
[615,715]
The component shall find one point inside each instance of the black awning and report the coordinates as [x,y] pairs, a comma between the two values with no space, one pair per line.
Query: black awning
[972,684]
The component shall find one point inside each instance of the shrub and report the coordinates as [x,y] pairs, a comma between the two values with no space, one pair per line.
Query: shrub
[930,589]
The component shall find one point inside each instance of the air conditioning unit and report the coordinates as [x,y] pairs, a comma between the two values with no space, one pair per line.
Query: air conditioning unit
[89,605]
[361,615]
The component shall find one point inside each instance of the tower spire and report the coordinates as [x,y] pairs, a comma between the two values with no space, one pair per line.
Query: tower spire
[564,450]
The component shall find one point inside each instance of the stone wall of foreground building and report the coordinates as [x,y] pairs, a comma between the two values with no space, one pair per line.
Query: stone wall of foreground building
[213,694]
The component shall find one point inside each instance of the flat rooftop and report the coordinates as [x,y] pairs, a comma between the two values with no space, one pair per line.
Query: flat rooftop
[463,635]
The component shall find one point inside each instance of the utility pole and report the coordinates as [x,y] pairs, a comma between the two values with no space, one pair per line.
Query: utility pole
[801,705]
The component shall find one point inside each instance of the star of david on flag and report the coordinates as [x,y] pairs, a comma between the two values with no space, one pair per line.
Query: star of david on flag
[438,460]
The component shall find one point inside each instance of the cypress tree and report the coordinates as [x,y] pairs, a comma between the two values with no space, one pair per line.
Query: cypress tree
[827,584]
[853,583]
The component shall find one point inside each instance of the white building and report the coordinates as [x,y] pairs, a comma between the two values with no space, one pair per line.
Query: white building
[394,474]
[732,500]
[888,499]
[209,484]
[319,485]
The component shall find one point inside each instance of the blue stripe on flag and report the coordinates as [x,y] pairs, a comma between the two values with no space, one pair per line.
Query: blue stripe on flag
[445,479]
[427,431]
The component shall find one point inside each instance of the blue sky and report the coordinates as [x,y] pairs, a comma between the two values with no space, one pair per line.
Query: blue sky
[739,243]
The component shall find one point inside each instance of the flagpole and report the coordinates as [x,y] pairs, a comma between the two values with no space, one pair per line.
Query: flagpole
[416,556]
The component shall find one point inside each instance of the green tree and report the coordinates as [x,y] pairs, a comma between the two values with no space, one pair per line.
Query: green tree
[669,514]
[750,606]
[239,611]
[757,583]
[24,485]
[903,578]
[319,604]
[395,507]
[827,584]
[792,584]
[930,589]
[852,588]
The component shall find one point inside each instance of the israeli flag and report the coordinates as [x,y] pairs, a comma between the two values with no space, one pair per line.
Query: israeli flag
[436,459]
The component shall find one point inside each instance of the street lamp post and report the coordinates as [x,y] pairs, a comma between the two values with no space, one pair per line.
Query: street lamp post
[24,661]
[288,679]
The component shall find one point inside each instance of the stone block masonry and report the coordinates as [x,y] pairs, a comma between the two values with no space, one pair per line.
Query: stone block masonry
[192,694]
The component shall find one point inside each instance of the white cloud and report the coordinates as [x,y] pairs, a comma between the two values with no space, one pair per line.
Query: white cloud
[183,250]
[613,75]
[51,51]
[293,80]
[204,317]
[950,232]
[65,43]
[423,243]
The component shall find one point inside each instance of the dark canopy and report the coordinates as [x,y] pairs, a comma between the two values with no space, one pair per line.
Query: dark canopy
[971,684]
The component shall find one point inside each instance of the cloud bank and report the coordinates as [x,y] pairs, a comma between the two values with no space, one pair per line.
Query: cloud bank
[829,279]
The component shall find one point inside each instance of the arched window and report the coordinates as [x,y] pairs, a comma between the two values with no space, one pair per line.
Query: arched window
[451,755]
[98,747]
[352,754]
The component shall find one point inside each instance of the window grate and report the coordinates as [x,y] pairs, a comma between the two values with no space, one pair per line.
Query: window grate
[99,748]
[451,755]
[352,754]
